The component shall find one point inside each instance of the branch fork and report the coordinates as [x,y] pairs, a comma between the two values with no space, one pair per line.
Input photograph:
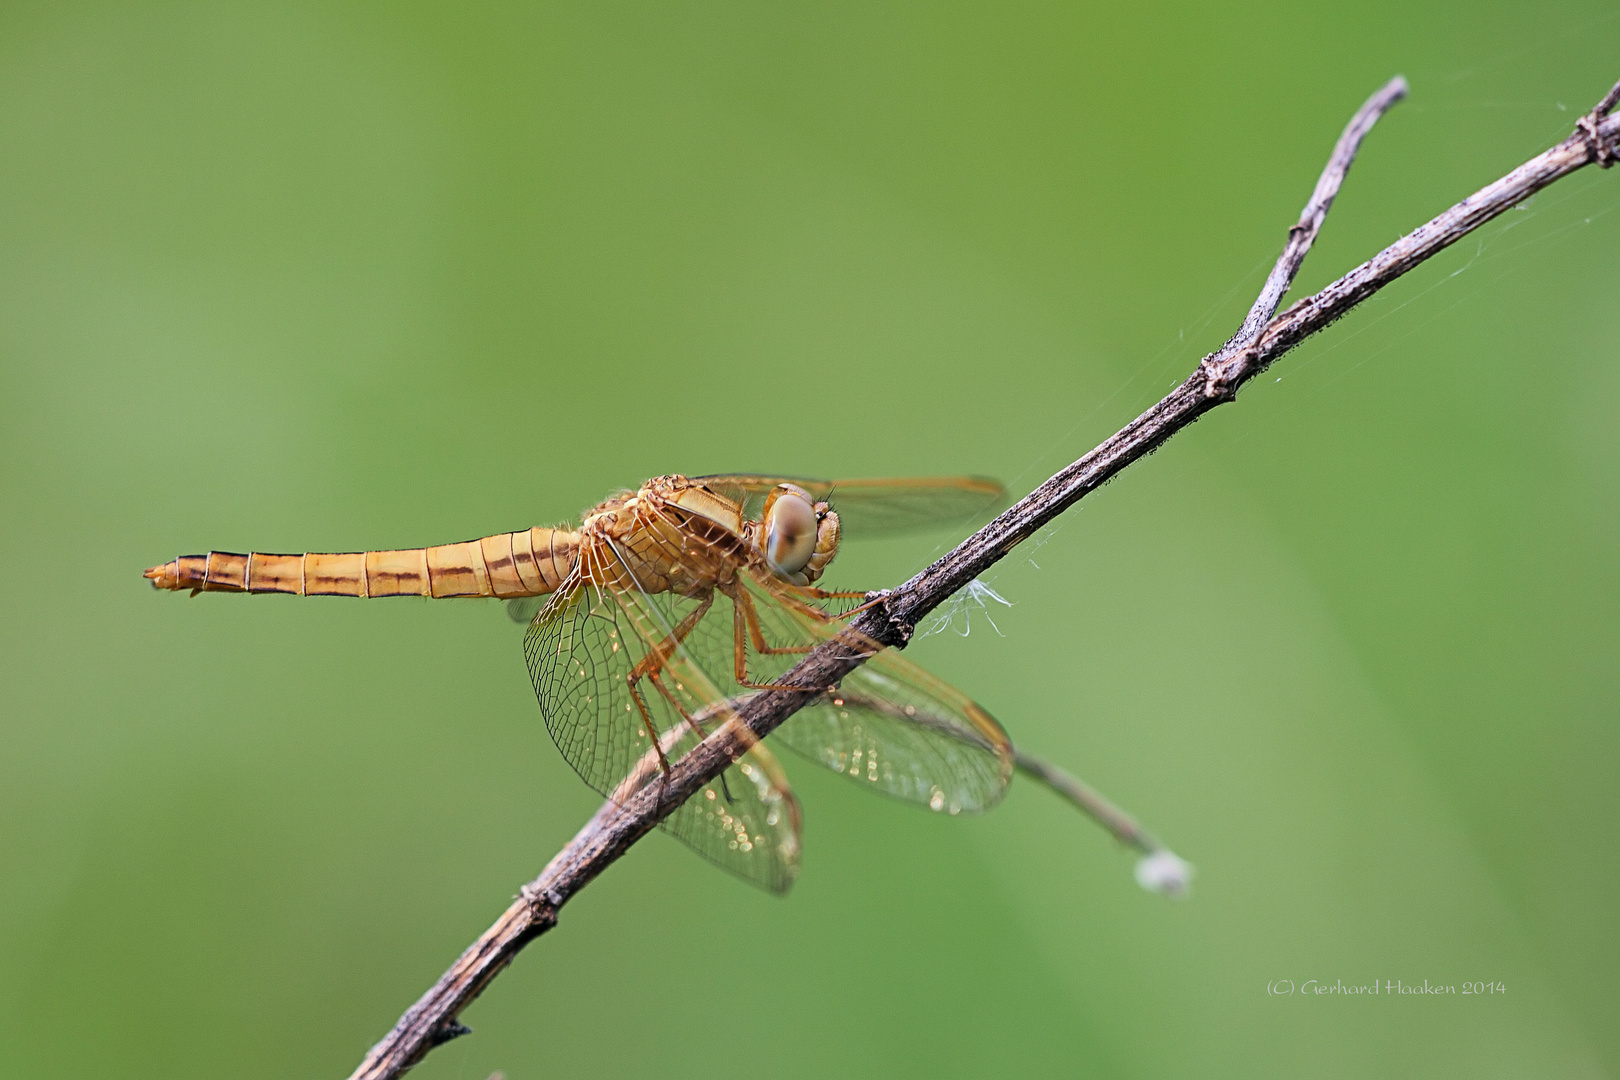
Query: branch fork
[1591,126]
[1262,339]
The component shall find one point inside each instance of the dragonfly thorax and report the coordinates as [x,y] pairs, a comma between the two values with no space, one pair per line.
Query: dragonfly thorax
[795,537]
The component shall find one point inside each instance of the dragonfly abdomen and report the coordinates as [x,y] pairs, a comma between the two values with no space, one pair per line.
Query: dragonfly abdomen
[532,562]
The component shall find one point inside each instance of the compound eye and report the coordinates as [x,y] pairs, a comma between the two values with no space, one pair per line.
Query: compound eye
[790,532]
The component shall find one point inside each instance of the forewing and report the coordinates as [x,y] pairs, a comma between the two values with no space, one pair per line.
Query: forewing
[890,725]
[876,507]
[582,649]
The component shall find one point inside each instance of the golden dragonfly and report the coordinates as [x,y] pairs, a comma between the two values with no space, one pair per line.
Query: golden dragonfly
[668,607]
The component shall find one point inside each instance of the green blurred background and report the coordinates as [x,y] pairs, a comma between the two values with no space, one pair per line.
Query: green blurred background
[331,277]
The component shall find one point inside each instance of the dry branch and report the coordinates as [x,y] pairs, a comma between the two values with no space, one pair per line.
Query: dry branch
[1261,340]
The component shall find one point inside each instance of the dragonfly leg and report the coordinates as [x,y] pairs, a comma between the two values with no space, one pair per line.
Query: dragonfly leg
[813,593]
[745,604]
[826,594]
[744,616]
[697,726]
[739,642]
[854,611]
[651,666]
[652,731]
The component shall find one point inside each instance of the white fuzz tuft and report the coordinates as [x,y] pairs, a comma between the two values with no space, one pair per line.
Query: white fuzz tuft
[1166,873]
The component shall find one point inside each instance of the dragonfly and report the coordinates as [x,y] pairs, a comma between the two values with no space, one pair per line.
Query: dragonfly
[653,622]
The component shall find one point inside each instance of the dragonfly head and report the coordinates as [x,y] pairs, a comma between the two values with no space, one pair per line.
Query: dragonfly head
[800,534]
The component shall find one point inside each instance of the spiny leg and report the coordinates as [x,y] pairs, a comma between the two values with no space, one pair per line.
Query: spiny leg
[813,593]
[743,614]
[745,604]
[656,678]
[651,665]
[655,663]
[825,594]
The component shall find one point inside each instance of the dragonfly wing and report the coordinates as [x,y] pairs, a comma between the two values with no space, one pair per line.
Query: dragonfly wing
[894,727]
[889,725]
[523,609]
[582,649]
[747,822]
[876,507]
